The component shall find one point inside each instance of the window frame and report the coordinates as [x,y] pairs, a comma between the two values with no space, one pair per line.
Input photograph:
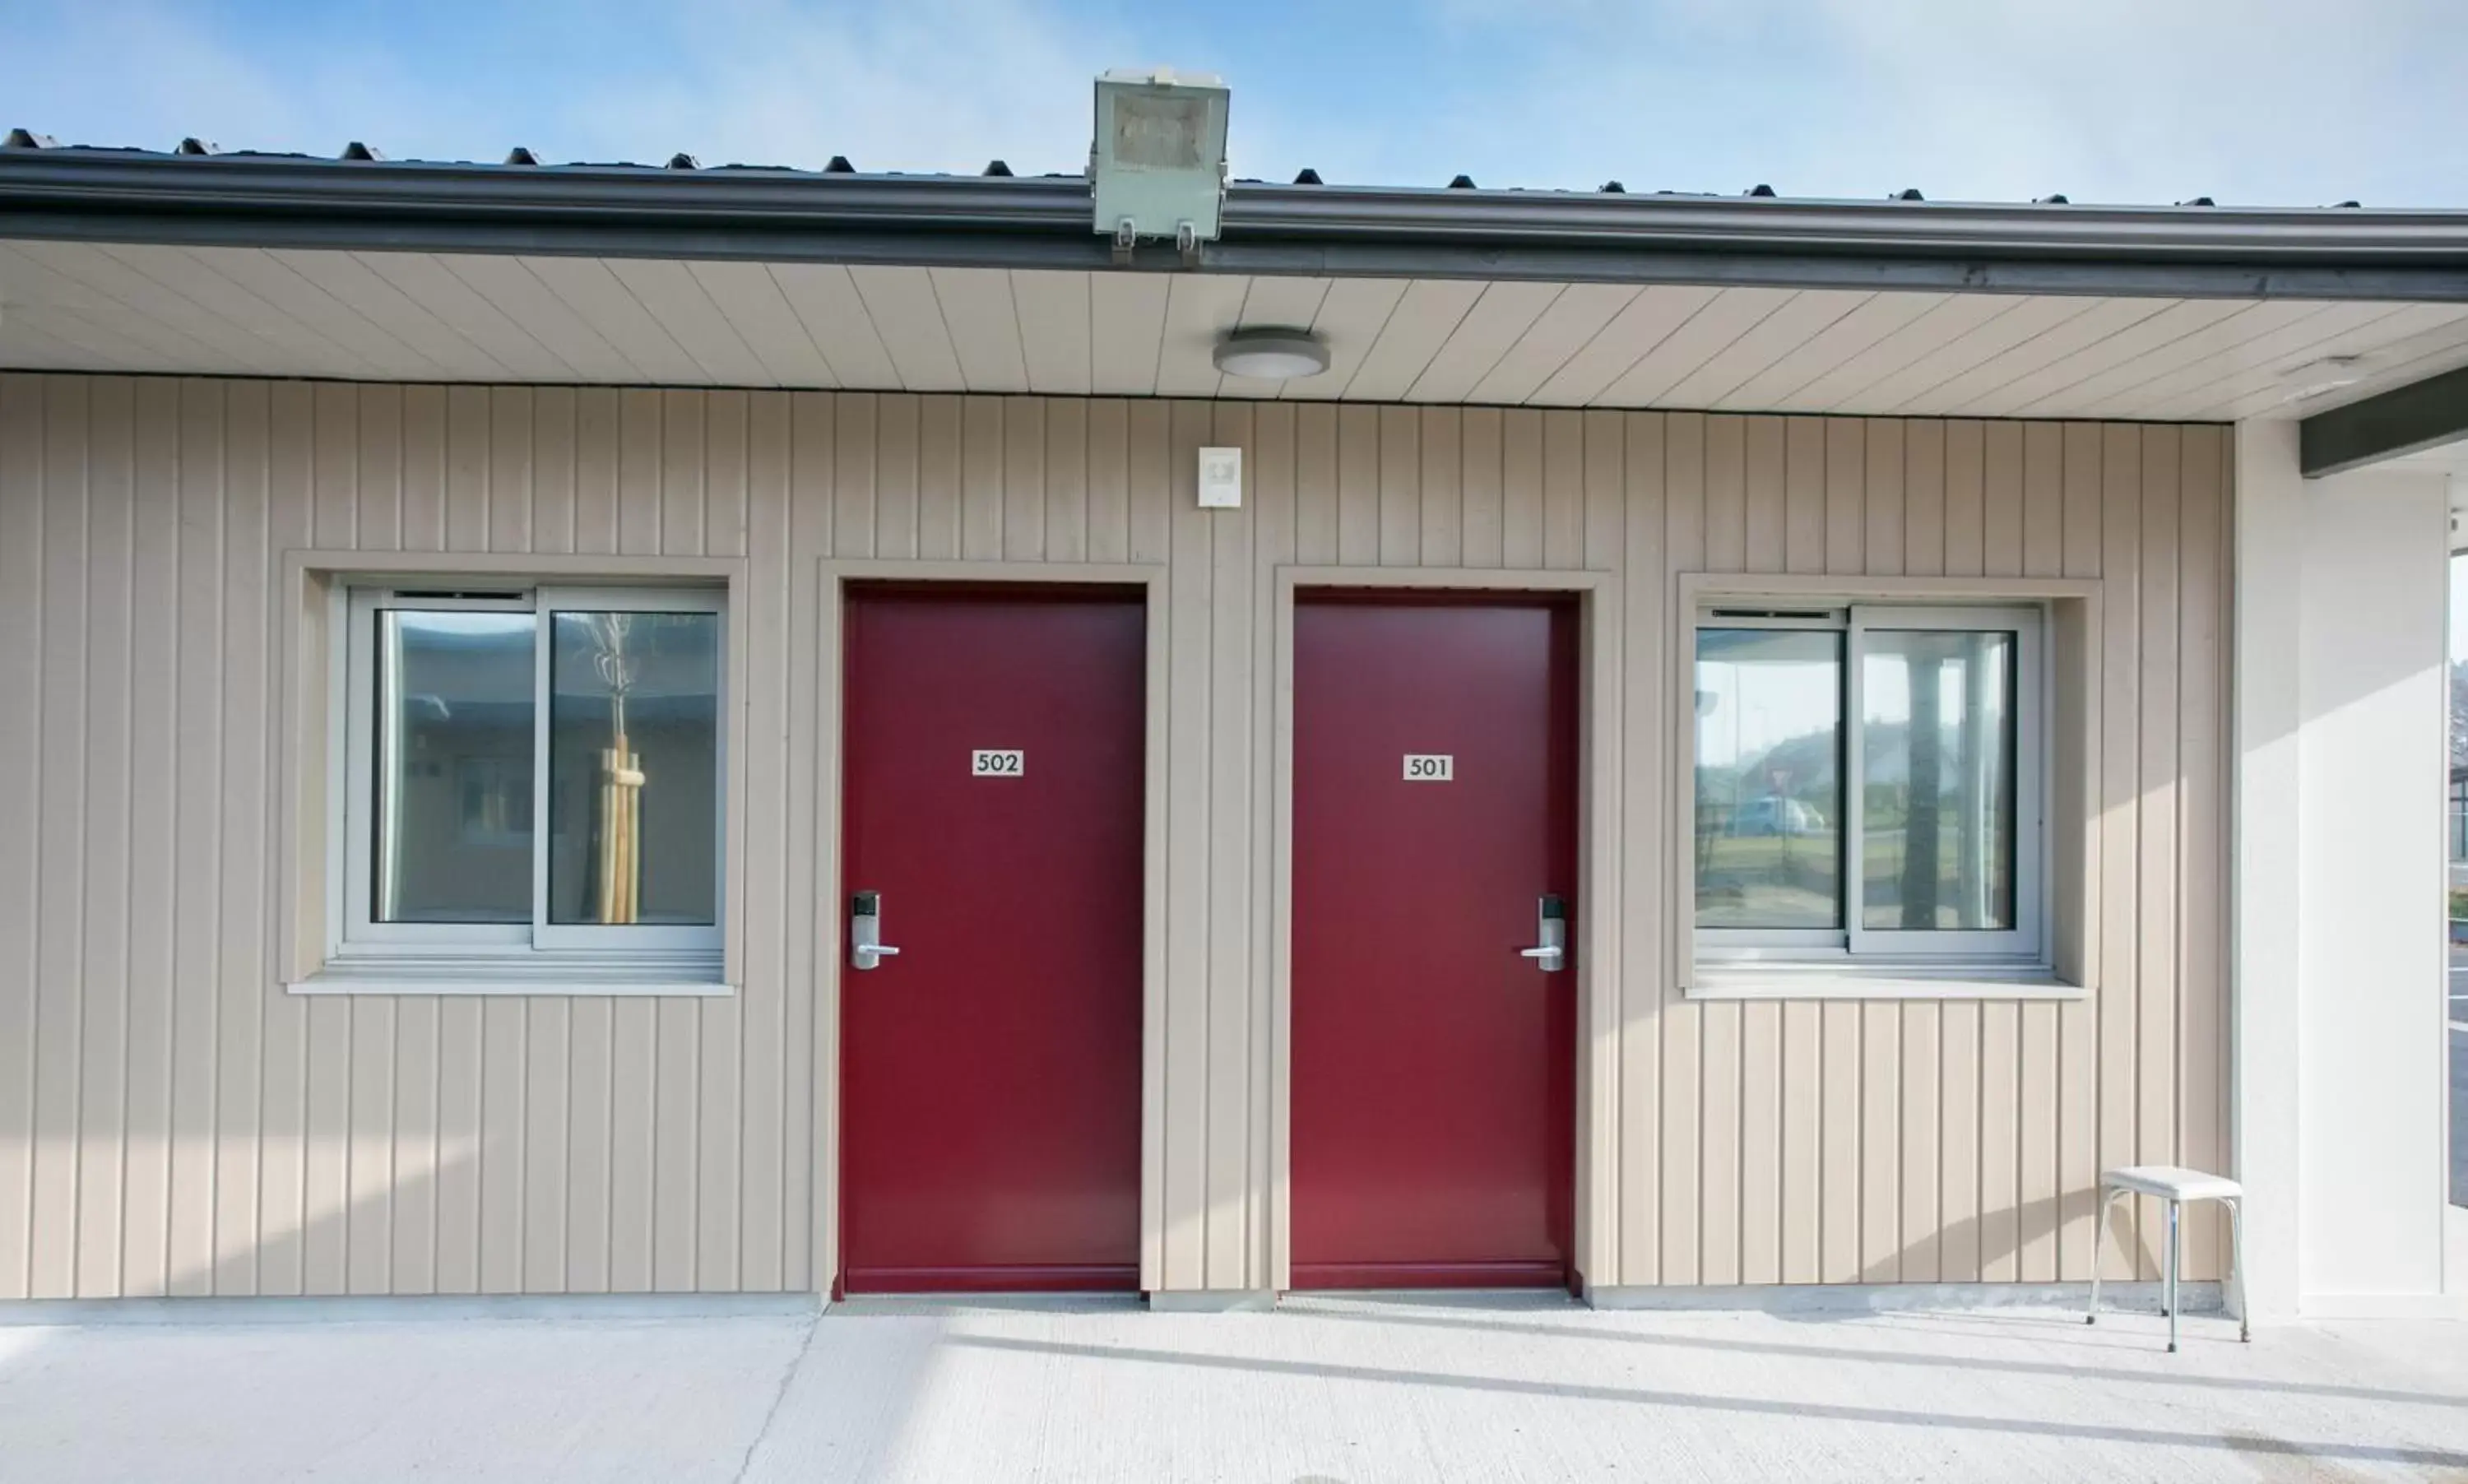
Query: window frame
[1853,946]
[354,787]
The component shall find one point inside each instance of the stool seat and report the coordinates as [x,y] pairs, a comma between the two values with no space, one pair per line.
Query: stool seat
[2173,1182]
[2173,1185]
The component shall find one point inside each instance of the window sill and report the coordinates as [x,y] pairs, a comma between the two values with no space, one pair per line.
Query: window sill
[546,974]
[1903,980]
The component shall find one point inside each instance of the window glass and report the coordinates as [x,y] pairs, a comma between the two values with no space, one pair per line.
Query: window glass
[1769,740]
[633,768]
[1937,750]
[454,696]
[2455,934]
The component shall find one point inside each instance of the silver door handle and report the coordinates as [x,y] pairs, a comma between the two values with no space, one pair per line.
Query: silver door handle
[866,947]
[1551,955]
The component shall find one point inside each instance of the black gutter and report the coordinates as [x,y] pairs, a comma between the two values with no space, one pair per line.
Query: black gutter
[1006,221]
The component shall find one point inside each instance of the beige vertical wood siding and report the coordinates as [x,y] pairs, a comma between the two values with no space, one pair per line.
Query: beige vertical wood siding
[170,1122]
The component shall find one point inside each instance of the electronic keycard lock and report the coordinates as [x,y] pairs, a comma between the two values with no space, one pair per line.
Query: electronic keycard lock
[1550,952]
[866,947]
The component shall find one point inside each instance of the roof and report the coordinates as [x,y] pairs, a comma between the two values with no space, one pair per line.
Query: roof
[195,195]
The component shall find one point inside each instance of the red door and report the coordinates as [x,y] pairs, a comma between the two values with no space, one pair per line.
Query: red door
[1434,796]
[990,1071]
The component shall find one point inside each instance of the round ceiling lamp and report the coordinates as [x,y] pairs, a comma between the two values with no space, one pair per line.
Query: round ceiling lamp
[1271,354]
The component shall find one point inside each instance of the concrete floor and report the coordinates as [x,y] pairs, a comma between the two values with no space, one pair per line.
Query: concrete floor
[1322,1390]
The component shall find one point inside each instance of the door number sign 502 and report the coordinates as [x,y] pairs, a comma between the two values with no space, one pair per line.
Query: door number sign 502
[1431,768]
[997,762]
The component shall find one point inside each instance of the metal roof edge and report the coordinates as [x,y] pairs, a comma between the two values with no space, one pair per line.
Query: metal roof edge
[411,190]
[1043,222]
[2034,228]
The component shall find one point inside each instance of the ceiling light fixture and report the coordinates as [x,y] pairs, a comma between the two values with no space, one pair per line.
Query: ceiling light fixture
[1271,354]
[2320,377]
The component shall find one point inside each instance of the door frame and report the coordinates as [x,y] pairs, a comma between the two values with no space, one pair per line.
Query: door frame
[836,576]
[1599,898]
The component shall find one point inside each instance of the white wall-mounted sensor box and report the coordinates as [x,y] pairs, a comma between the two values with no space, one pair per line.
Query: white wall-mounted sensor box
[1220,479]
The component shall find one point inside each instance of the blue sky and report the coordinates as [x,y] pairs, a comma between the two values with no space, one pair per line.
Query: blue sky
[2246,101]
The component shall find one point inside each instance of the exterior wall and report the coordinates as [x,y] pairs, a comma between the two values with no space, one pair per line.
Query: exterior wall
[2371,938]
[170,1121]
[2340,946]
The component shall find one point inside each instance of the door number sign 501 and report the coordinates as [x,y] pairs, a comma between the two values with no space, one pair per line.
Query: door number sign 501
[997,762]
[1431,768]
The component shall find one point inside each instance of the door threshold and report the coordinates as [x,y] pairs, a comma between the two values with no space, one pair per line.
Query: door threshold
[941,1305]
[1337,1300]
[1539,1275]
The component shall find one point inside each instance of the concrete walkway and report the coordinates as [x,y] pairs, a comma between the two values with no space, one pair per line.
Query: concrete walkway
[1322,1390]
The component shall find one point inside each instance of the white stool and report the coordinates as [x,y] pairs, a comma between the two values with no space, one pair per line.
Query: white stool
[2175,1186]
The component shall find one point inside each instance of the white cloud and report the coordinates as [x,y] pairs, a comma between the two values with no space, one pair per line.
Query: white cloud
[2290,102]
[148,77]
[908,86]
[912,85]
[2229,98]
[2286,101]
[926,84]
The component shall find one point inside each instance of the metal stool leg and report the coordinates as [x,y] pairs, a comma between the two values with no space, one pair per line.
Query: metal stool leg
[2167,1295]
[2098,1247]
[2236,1256]
[2172,1277]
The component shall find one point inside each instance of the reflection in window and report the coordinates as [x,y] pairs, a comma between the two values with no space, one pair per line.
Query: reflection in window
[2456,982]
[1769,740]
[1936,752]
[454,766]
[633,768]
[495,797]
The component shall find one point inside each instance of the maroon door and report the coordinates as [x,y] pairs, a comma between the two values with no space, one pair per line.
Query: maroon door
[1434,797]
[991,1071]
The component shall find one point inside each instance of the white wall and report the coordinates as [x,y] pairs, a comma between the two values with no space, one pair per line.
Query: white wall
[2339,937]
